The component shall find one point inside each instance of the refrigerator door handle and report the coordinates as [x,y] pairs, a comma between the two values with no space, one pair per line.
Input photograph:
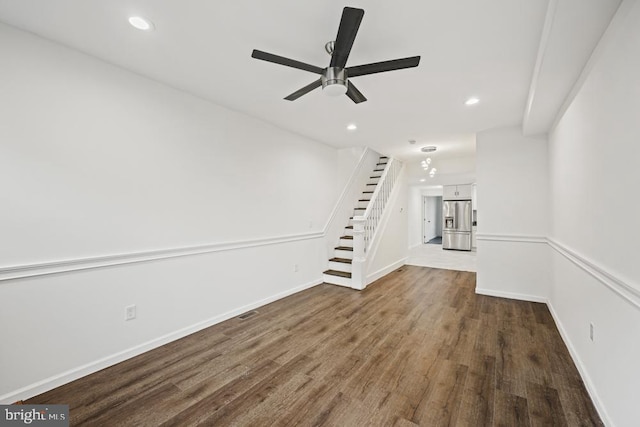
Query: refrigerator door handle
[456,218]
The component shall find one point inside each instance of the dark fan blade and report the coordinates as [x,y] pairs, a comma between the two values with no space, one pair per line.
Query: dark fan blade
[347,31]
[380,67]
[308,88]
[355,95]
[258,54]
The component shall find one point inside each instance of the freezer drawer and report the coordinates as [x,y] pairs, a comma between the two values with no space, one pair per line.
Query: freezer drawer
[460,241]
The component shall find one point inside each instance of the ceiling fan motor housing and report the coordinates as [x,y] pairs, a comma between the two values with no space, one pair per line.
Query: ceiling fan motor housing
[334,81]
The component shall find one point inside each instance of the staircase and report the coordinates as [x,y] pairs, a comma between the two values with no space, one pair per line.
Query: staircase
[340,266]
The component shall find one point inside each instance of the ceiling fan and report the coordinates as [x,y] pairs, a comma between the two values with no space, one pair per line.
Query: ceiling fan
[335,78]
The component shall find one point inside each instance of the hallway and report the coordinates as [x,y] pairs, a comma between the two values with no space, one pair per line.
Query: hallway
[432,255]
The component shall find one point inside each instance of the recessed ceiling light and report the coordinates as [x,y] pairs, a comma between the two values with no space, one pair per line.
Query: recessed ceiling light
[429,149]
[412,141]
[422,180]
[471,101]
[352,126]
[141,23]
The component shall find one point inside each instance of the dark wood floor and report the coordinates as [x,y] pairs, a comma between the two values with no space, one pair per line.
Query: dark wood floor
[418,347]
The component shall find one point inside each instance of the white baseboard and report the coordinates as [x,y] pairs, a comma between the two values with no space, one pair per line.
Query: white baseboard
[581,369]
[511,295]
[92,367]
[385,270]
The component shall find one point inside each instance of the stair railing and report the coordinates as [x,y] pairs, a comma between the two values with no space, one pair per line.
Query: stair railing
[365,225]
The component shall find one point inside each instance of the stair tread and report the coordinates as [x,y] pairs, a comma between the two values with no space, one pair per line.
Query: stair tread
[378,170]
[342,260]
[364,200]
[338,273]
[367,192]
[350,227]
[372,184]
[373,177]
[383,157]
[344,248]
[346,237]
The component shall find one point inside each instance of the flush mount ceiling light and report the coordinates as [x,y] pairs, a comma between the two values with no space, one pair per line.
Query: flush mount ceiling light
[352,126]
[429,149]
[471,101]
[141,23]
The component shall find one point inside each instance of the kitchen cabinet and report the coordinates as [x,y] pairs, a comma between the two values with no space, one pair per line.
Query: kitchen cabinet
[457,192]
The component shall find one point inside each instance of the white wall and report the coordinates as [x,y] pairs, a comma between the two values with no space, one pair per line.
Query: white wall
[454,170]
[96,161]
[512,183]
[593,159]
[391,250]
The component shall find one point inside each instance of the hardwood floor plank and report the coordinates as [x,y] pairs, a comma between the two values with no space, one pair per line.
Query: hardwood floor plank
[510,369]
[441,405]
[417,347]
[544,405]
[478,395]
[149,409]
[577,407]
[210,401]
[510,410]
[267,397]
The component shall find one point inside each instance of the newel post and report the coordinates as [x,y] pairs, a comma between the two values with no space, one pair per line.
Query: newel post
[358,279]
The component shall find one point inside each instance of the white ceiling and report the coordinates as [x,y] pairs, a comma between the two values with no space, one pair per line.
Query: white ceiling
[477,48]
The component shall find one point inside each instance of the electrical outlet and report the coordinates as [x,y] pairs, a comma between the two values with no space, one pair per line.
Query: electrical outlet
[130,312]
[295,268]
[591,330]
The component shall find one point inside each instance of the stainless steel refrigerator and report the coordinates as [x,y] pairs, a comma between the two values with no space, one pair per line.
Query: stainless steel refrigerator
[456,225]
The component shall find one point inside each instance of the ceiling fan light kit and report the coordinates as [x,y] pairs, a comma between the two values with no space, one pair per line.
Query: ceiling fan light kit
[334,79]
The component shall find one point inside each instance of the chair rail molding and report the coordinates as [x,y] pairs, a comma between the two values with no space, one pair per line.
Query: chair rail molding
[511,238]
[8,273]
[622,287]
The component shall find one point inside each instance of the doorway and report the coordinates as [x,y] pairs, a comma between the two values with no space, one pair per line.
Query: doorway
[432,219]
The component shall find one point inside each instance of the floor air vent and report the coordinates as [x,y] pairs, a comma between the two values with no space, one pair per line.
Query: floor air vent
[247,314]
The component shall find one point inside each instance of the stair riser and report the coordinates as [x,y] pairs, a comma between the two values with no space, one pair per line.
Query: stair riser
[342,254]
[339,266]
[346,242]
[348,231]
[336,280]
[363,204]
